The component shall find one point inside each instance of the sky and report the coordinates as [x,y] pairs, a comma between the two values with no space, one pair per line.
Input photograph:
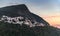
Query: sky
[47,9]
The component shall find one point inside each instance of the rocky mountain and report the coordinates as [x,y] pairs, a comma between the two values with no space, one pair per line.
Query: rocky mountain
[17,20]
[21,10]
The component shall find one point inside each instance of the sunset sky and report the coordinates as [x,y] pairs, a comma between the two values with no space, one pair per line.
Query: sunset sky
[47,9]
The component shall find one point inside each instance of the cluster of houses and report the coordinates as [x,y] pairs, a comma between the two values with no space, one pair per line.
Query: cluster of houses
[20,20]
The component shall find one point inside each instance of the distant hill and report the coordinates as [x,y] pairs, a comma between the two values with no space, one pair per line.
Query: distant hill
[10,29]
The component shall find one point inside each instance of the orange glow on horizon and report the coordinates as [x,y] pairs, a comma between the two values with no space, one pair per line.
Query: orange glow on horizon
[53,20]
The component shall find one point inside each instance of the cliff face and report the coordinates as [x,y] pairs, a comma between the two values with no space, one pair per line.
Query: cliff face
[8,28]
[21,10]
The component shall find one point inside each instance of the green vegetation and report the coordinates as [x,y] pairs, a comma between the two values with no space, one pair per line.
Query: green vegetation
[7,29]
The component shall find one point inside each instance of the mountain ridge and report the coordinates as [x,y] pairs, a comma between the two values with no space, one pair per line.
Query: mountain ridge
[17,10]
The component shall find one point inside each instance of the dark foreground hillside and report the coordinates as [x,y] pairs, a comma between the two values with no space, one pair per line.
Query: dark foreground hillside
[17,30]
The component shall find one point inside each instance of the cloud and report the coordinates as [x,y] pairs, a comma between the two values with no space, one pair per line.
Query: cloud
[10,2]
